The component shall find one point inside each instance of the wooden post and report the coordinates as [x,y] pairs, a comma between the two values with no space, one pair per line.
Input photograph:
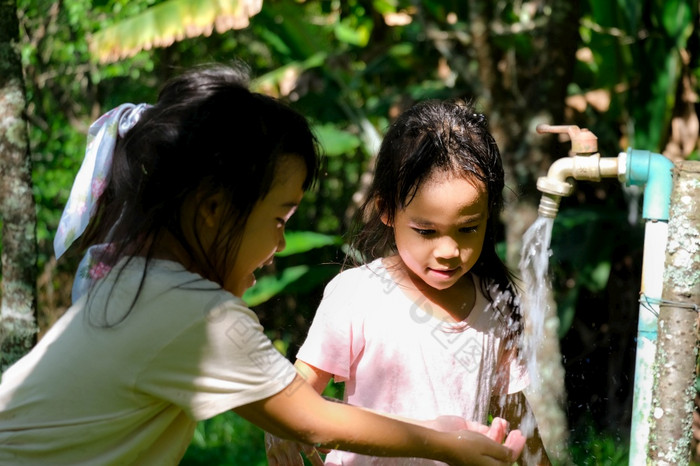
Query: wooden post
[674,382]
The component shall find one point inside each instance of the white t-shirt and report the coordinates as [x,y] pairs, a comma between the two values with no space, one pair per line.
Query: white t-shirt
[132,393]
[395,357]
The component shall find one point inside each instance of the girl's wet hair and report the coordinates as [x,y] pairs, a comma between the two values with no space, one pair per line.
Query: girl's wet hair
[433,136]
[208,133]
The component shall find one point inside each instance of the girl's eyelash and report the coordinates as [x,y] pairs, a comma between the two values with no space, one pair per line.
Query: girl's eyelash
[423,232]
[426,232]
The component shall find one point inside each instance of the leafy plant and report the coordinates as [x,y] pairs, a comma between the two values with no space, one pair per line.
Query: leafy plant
[298,242]
[226,439]
[592,447]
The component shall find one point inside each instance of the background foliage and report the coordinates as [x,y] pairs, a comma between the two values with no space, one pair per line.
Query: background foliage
[625,69]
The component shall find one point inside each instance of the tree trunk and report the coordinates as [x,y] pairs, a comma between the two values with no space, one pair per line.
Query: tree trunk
[674,383]
[17,208]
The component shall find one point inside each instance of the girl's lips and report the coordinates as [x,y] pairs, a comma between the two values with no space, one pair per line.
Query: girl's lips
[444,273]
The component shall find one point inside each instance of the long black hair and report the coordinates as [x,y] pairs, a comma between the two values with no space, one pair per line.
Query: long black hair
[207,133]
[433,136]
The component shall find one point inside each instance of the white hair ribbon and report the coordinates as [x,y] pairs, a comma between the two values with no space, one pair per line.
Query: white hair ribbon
[91,179]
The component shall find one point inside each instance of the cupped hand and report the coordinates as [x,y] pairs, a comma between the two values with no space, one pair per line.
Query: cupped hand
[282,452]
[489,448]
[497,431]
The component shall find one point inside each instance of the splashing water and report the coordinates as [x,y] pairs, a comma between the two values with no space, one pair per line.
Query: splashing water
[534,267]
[540,341]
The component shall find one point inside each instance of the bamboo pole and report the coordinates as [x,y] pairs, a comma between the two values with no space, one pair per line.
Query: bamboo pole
[674,383]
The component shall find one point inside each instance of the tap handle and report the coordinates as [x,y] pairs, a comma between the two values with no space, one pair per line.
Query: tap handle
[570,129]
[583,141]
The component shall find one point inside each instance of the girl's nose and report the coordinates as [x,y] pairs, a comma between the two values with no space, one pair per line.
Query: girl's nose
[282,243]
[446,248]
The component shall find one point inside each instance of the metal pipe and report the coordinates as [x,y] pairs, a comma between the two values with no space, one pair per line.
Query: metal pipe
[585,167]
[589,168]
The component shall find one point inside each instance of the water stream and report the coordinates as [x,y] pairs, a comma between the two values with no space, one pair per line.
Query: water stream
[534,268]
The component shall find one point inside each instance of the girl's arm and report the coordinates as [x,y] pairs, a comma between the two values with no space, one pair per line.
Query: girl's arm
[299,413]
[318,379]
[515,409]
[283,452]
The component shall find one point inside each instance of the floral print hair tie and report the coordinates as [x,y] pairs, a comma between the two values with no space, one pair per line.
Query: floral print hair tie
[91,180]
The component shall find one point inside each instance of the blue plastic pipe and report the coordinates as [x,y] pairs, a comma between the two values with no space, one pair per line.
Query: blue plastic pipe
[654,171]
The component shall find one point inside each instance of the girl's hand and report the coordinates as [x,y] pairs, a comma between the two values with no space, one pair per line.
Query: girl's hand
[479,450]
[514,440]
[282,452]
[496,431]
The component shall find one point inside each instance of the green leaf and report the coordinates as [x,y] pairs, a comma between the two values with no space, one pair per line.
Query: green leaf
[677,20]
[598,278]
[354,34]
[170,21]
[316,277]
[269,286]
[303,33]
[566,309]
[275,77]
[303,241]
[383,6]
[335,141]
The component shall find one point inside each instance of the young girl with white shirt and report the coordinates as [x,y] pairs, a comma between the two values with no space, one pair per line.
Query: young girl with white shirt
[428,328]
[179,203]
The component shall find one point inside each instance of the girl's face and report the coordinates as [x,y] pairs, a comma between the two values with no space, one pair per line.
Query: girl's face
[440,234]
[263,234]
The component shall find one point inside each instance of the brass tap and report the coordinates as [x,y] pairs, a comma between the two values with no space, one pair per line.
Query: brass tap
[583,141]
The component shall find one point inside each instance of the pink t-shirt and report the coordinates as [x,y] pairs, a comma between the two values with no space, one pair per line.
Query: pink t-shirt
[396,357]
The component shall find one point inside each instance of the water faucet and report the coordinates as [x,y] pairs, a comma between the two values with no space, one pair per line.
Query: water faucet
[585,163]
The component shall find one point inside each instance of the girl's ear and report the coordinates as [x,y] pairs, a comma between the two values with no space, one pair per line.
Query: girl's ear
[211,209]
[383,216]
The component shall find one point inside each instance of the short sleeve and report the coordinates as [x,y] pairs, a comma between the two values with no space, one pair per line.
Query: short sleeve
[335,337]
[221,361]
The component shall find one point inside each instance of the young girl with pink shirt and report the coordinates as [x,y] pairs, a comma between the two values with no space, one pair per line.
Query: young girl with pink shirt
[428,327]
